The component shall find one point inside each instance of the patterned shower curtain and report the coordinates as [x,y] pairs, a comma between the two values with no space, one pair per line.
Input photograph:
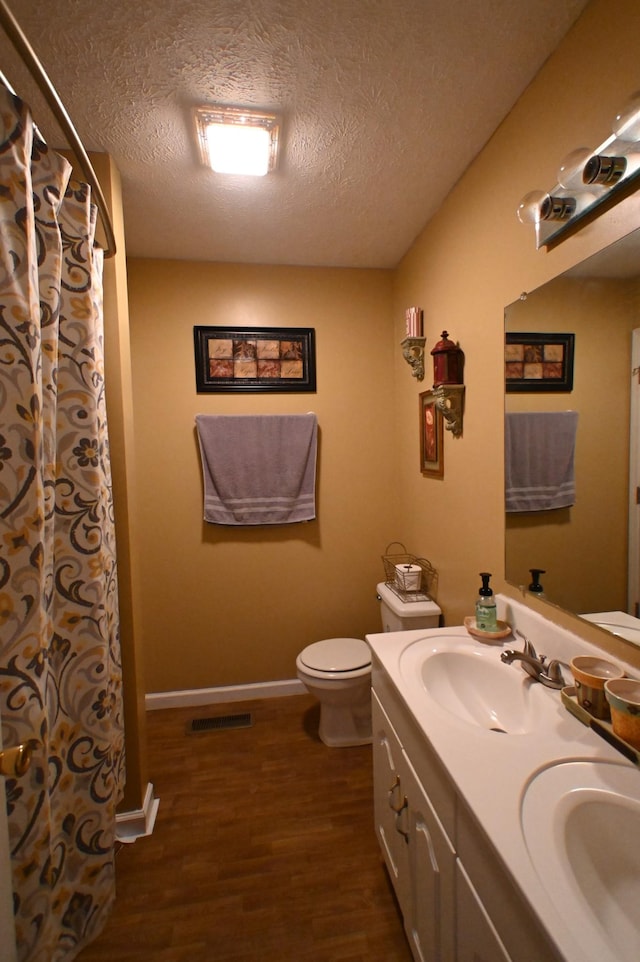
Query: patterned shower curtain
[60,675]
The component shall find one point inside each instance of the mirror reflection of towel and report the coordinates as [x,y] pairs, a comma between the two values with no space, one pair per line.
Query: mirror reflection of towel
[539,460]
[258,469]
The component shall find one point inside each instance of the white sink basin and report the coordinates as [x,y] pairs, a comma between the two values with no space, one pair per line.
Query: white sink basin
[479,690]
[623,631]
[617,622]
[584,843]
[473,685]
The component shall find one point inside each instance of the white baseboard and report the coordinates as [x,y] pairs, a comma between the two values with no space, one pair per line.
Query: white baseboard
[190,697]
[138,822]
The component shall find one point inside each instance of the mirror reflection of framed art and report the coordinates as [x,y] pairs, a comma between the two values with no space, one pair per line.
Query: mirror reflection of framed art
[538,362]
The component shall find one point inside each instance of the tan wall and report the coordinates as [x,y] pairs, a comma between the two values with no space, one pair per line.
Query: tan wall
[222,607]
[225,605]
[472,260]
[122,447]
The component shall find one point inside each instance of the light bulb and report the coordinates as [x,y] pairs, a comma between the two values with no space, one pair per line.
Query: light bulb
[538,205]
[529,208]
[570,170]
[238,149]
[626,125]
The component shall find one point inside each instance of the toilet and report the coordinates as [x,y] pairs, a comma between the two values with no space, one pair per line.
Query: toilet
[337,671]
[399,615]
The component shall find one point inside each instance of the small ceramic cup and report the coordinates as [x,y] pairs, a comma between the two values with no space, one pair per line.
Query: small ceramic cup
[623,696]
[590,674]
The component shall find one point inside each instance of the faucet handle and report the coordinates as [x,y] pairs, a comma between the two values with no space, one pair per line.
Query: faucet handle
[555,673]
[528,648]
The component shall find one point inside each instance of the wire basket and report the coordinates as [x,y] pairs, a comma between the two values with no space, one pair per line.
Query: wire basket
[407,585]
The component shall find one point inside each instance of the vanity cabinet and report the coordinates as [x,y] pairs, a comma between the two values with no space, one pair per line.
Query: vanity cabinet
[457,901]
[389,803]
[431,875]
[417,851]
[476,939]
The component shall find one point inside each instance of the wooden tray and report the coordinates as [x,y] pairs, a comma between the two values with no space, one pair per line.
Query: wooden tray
[601,727]
[503,631]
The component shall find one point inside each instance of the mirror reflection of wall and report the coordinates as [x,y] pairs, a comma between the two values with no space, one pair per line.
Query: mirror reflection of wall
[583,549]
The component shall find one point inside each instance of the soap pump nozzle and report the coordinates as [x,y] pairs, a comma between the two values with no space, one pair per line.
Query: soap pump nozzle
[535,585]
[485,591]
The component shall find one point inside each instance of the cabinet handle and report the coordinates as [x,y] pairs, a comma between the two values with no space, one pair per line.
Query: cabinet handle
[399,812]
[395,806]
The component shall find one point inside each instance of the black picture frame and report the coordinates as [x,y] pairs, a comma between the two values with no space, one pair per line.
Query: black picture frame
[538,363]
[255,359]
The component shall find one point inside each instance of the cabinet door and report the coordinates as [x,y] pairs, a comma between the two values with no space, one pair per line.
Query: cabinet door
[431,923]
[389,802]
[476,937]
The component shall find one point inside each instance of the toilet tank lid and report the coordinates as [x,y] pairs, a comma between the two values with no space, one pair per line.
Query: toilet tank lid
[337,654]
[406,609]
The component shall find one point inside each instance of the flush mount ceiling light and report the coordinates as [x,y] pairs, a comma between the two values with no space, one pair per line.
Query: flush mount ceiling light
[237,140]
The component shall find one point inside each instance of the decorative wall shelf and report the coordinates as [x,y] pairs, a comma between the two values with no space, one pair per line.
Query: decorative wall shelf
[413,353]
[449,400]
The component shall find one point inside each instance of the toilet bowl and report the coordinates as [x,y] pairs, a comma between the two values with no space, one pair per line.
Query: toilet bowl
[337,671]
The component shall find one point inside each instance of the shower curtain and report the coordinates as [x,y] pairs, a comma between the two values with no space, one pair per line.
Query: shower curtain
[60,674]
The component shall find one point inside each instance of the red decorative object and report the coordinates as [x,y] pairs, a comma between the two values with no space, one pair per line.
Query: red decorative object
[447,362]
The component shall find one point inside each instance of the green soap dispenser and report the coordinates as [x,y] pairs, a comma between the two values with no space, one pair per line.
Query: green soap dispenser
[486,618]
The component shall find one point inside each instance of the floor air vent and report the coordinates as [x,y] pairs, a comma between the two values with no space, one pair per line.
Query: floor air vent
[221,722]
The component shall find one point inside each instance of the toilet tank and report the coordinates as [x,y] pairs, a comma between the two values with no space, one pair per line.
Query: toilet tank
[398,615]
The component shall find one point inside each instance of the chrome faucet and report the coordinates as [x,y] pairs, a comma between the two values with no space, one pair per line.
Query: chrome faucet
[550,675]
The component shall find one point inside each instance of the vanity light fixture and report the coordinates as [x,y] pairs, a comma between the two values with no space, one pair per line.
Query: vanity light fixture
[237,140]
[589,182]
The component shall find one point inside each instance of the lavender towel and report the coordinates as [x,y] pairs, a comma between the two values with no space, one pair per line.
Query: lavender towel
[258,469]
[539,460]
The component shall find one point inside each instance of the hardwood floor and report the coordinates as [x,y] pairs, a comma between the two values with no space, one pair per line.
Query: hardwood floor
[263,848]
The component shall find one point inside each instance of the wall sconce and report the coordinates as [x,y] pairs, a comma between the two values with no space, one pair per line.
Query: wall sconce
[589,182]
[413,343]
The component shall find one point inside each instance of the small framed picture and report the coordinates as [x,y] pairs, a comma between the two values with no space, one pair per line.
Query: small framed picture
[252,359]
[538,363]
[431,446]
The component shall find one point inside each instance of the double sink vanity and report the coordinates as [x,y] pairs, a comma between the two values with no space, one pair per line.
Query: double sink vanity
[510,830]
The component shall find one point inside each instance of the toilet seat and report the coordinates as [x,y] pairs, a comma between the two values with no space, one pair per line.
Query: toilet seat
[336,655]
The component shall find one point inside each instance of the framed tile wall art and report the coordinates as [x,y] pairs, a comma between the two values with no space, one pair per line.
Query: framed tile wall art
[539,362]
[254,359]
[431,442]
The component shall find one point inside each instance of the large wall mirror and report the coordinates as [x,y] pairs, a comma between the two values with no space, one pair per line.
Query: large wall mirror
[589,551]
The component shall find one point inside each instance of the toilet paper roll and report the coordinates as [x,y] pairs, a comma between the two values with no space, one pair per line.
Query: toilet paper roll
[408,577]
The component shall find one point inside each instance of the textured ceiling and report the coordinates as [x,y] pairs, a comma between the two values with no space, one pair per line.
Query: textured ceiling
[384,102]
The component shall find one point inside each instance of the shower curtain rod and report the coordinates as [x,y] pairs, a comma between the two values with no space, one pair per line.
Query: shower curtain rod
[23,47]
